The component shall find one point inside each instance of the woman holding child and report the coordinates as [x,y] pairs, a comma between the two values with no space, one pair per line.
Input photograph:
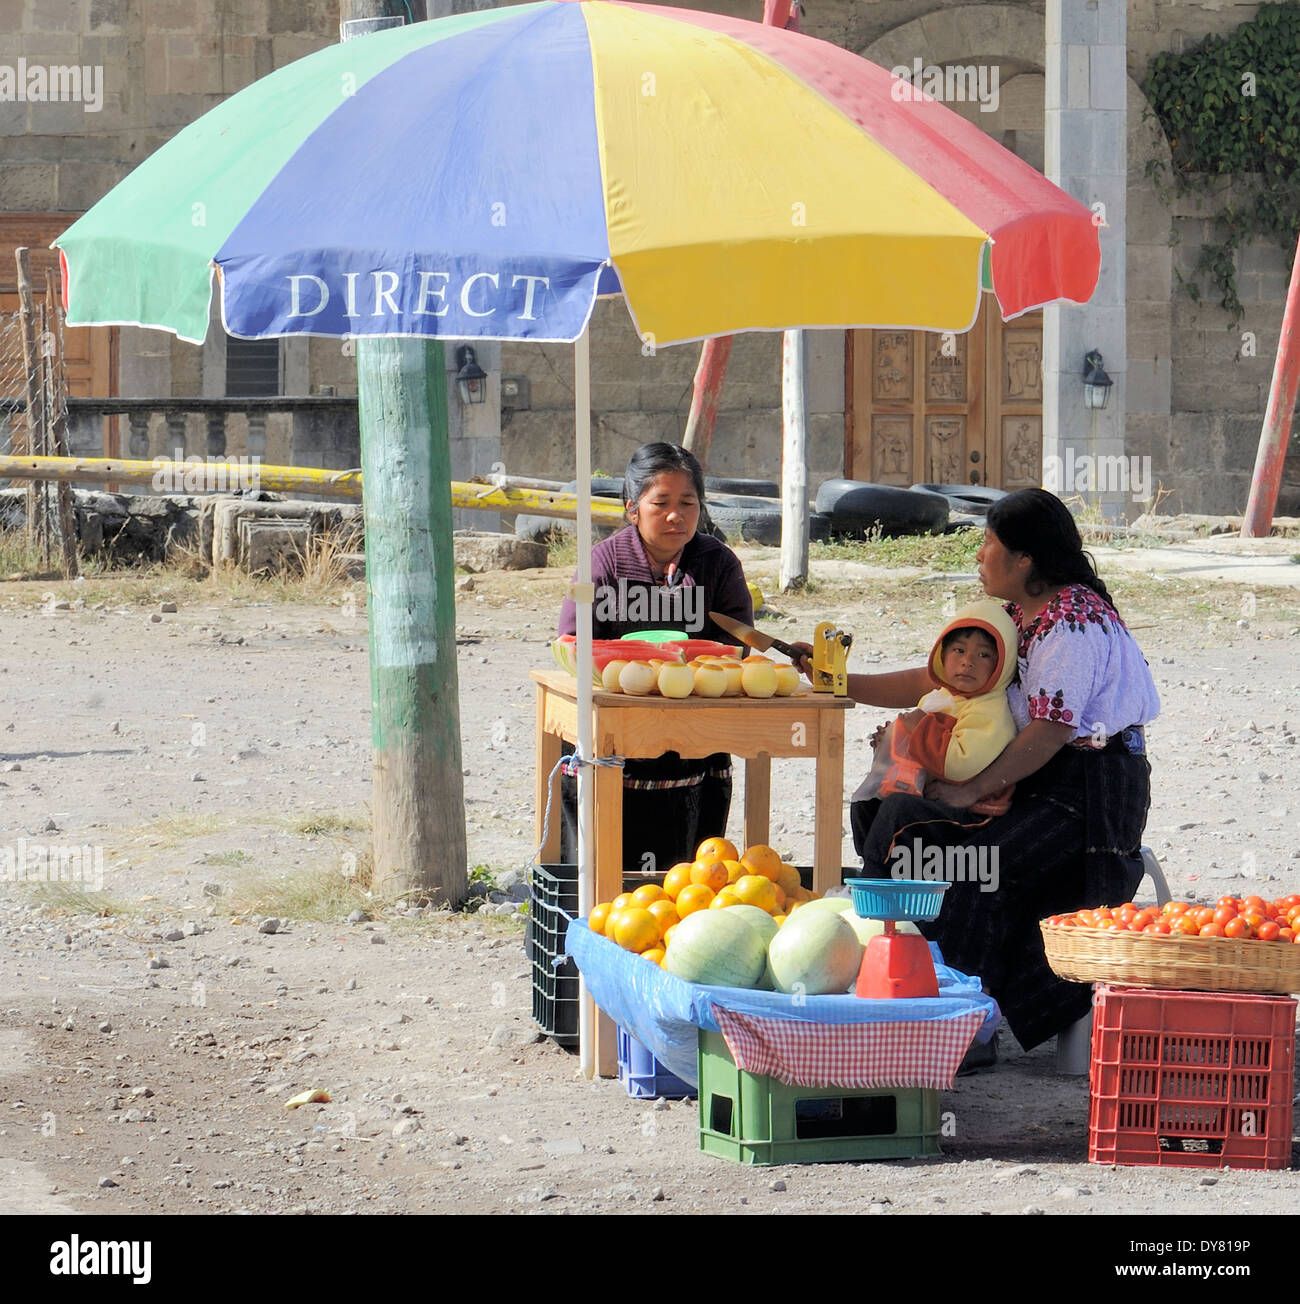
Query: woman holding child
[1072,835]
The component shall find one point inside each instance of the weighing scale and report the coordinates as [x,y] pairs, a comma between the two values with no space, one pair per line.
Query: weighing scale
[896,965]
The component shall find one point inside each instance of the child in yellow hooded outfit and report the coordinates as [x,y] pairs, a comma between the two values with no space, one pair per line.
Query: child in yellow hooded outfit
[962,725]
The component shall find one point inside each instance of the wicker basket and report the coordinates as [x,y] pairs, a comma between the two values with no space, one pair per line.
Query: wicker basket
[1195,964]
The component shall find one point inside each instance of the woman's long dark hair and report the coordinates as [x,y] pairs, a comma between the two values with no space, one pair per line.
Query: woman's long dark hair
[1039,524]
[651,461]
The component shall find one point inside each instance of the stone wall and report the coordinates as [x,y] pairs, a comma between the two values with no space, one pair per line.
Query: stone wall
[637,398]
[1194,400]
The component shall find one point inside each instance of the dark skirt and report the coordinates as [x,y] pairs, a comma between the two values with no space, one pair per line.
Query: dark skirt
[1071,840]
[662,826]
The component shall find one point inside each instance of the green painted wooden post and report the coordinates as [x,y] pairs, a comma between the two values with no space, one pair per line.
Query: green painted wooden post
[418,807]
[418,799]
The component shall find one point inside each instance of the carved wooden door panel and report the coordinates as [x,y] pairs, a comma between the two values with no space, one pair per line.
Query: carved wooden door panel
[946,408]
[1014,424]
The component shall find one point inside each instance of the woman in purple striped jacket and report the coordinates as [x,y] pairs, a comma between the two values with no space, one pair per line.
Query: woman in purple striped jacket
[660,572]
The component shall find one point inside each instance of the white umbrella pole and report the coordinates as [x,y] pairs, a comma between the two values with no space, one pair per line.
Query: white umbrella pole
[583,595]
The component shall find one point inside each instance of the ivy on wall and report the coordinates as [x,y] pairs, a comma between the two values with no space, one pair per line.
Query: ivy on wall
[1230,108]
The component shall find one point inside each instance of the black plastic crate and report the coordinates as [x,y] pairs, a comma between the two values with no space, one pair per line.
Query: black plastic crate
[555,990]
[553,901]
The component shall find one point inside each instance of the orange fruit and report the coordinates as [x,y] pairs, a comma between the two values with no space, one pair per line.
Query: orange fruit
[637,929]
[780,919]
[610,920]
[762,860]
[665,912]
[780,896]
[712,873]
[623,900]
[598,917]
[695,897]
[668,935]
[677,878]
[724,899]
[755,890]
[788,880]
[716,849]
[648,893]
[735,870]
[655,953]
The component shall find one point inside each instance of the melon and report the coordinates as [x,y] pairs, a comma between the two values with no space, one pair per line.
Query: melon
[756,918]
[815,953]
[835,905]
[717,948]
[866,929]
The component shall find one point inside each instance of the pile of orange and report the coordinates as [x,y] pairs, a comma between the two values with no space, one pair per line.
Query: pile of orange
[1243,918]
[719,876]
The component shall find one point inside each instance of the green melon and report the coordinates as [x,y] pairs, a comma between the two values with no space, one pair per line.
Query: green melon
[756,918]
[834,904]
[717,948]
[866,929]
[815,953]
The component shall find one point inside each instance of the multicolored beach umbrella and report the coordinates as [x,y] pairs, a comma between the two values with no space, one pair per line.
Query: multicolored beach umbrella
[488,175]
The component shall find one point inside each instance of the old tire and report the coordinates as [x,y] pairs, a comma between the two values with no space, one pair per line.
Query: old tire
[728,485]
[758,520]
[966,499]
[856,508]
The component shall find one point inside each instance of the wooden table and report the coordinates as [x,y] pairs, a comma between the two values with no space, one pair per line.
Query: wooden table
[807,724]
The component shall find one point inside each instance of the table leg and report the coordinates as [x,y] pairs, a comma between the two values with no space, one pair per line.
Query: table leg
[608,862]
[548,752]
[828,824]
[758,799]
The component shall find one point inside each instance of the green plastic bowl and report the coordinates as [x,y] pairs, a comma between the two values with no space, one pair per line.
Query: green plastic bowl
[656,636]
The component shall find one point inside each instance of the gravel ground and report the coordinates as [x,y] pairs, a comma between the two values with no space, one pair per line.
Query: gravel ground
[151,1032]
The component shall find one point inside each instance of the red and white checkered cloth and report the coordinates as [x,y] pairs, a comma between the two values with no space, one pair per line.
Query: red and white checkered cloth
[920,1053]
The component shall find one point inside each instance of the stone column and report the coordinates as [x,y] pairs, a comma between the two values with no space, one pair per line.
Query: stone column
[1086,124]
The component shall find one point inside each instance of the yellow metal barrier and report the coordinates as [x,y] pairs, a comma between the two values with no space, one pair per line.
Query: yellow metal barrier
[218,477]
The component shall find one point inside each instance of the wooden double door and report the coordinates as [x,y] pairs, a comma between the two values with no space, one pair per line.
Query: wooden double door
[929,408]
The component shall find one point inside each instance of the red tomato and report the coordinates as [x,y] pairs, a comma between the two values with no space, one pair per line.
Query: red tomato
[1268,931]
[1211,930]
[1253,919]
[1187,926]
[1236,928]
[1161,929]
[1285,935]
[1227,903]
[1174,908]
[1224,913]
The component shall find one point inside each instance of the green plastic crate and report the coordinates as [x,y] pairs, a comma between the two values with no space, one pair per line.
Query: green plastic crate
[753,1119]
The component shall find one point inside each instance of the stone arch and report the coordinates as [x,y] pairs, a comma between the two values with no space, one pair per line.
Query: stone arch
[1014,37]
[1012,33]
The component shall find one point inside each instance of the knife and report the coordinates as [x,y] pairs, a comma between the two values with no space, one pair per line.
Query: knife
[751,637]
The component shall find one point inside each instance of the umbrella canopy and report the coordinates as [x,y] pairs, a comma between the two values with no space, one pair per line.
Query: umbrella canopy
[488,175]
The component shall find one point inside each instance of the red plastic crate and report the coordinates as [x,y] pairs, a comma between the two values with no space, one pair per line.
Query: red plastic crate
[1191,1079]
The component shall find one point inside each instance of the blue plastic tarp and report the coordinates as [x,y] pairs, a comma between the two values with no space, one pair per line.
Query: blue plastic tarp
[663,1013]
